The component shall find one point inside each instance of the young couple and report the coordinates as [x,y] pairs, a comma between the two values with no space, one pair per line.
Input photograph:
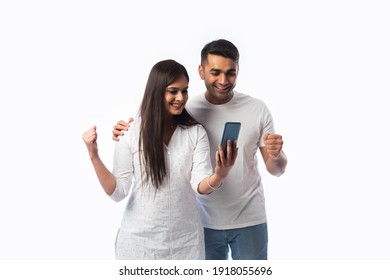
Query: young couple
[182,206]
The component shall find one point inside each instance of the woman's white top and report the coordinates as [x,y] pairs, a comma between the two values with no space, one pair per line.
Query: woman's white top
[162,223]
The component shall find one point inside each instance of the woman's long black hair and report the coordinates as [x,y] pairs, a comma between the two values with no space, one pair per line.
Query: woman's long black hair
[152,112]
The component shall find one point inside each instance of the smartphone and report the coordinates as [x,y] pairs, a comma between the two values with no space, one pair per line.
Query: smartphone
[230,132]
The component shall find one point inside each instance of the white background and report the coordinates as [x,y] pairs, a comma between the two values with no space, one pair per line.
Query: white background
[322,67]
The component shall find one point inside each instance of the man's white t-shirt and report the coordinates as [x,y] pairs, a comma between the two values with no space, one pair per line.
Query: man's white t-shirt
[240,201]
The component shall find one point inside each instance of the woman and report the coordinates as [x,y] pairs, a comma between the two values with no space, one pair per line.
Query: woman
[162,163]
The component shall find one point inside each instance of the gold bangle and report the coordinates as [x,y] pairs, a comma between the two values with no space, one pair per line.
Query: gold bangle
[210,186]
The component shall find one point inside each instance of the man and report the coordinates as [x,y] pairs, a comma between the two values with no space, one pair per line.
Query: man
[234,216]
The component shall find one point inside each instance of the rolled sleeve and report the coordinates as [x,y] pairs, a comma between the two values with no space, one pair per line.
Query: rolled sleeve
[123,168]
[201,164]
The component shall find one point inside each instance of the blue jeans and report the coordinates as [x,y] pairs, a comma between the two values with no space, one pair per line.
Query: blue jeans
[249,243]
